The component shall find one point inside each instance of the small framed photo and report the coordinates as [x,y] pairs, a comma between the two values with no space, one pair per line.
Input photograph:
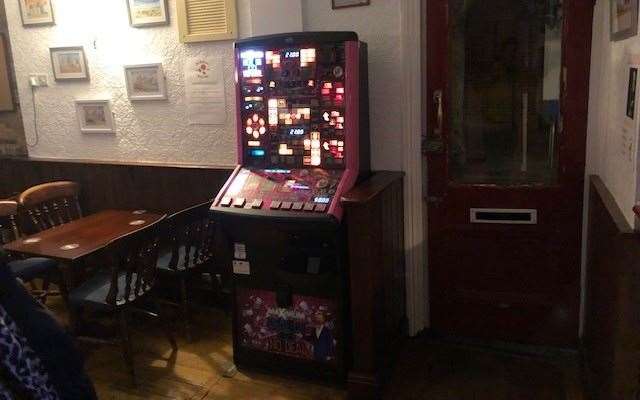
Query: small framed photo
[336,4]
[69,63]
[147,12]
[94,116]
[624,19]
[36,12]
[145,82]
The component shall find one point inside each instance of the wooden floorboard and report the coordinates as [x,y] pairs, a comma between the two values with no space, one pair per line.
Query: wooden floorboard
[427,369]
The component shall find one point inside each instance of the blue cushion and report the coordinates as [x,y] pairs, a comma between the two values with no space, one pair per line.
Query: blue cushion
[32,268]
[94,291]
[165,259]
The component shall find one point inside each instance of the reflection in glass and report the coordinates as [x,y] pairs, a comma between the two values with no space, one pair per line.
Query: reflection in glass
[505,90]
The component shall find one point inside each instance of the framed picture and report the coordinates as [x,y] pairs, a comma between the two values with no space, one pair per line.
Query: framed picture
[624,19]
[147,12]
[69,63]
[36,12]
[6,95]
[145,82]
[336,4]
[94,116]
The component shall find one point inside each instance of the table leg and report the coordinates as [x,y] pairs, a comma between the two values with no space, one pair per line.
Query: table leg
[67,282]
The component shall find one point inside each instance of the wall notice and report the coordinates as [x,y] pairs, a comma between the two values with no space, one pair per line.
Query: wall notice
[206,101]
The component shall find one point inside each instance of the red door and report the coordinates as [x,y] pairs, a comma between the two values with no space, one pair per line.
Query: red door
[507,90]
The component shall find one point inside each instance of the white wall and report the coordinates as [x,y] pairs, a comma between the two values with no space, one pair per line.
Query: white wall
[607,102]
[275,16]
[158,131]
[379,26]
[146,131]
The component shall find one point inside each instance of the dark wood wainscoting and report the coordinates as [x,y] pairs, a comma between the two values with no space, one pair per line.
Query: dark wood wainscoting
[612,330]
[105,185]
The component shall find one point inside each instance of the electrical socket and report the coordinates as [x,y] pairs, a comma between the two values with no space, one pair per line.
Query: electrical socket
[38,80]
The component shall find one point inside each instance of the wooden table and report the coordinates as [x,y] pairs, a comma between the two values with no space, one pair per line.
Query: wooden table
[72,241]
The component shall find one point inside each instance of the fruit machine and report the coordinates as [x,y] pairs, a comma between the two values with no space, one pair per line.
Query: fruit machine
[303,141]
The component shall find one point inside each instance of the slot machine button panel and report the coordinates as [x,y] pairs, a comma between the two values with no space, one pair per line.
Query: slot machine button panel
[321,208]
[256,204]
[226,201]
[286,205]
[275,204]
[297,206]
[239,202]
[309,207]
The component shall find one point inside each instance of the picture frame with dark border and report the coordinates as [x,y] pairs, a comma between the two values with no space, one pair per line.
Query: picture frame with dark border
[28,21]
[338,4]
[624,19]
[70,68]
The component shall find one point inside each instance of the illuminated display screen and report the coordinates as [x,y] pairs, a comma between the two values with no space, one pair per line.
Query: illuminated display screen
[322,200]
[251,63]
[294,106]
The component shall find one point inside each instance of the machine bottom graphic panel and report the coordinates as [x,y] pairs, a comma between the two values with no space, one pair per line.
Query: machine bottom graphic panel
[305,330]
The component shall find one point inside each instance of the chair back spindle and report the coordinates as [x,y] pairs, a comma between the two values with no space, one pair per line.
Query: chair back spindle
[133,260]
[9,230]
[191,231]
[51,204]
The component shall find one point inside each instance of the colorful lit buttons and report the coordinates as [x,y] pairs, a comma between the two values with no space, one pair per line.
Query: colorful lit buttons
[275,204]
[239,202]
[321,208]
[309,206]
[297,206]
[257,204]
[226,201]
[286,205]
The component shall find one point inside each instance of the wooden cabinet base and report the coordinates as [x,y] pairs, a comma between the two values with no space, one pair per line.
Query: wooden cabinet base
[375,229]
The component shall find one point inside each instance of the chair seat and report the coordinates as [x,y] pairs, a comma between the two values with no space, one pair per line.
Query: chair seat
[32,268]
[164,260]
[94,291]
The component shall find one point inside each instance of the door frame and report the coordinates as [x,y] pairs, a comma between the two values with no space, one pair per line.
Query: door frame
[411,23]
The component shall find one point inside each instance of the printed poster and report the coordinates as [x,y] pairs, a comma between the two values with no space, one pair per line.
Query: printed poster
[205,95]
[306,330]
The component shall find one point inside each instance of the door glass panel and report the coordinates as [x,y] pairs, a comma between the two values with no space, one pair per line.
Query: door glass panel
[505,88]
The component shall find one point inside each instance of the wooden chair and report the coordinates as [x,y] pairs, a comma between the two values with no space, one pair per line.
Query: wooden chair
[8,221]
[127,283]
[28,269]
[50,204]
[188,253]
